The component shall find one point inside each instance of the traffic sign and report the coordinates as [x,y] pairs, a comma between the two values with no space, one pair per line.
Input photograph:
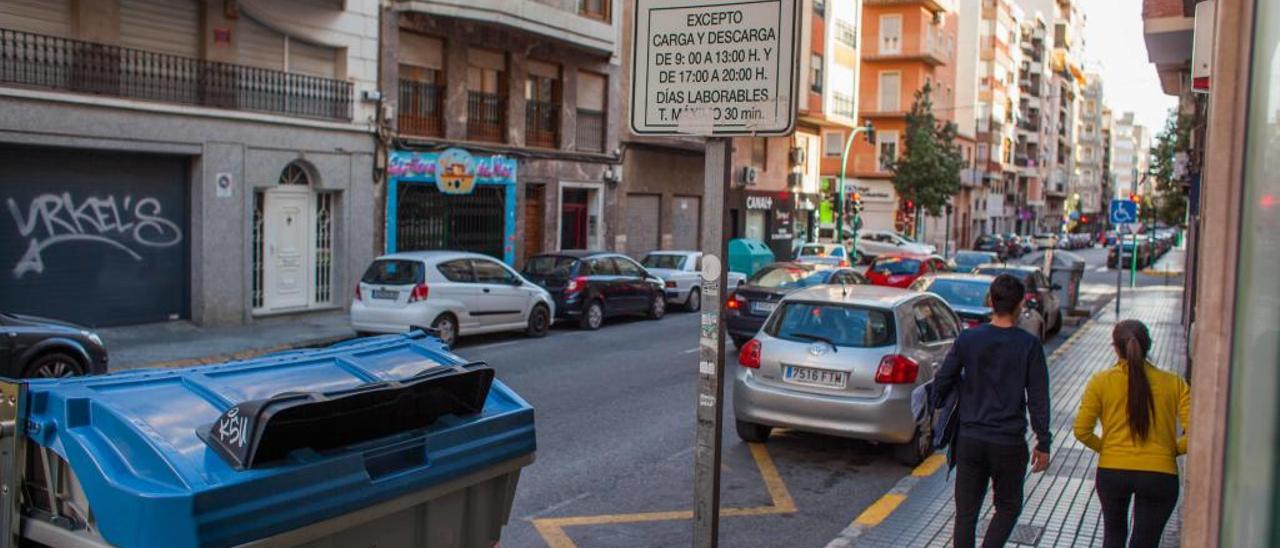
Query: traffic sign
[1123,212]
[715,67]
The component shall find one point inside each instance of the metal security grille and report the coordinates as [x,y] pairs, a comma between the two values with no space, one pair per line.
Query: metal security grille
[427,219]
[258,199]
[324,248]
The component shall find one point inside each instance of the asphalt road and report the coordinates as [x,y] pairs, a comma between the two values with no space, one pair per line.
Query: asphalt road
[615,420]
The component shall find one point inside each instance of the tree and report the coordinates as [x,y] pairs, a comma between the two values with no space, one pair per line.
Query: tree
[1170,204]
[928,171]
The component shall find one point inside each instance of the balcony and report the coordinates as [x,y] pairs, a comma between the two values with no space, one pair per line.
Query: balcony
[62,64]
[911,48]
[586,25]
[590,130]
[1032,125]
[486,117]
[421,108]
[931,5]
[542,124]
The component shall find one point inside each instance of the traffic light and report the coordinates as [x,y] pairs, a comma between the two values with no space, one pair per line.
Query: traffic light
[1084,220]
[857,202]
[1135,198]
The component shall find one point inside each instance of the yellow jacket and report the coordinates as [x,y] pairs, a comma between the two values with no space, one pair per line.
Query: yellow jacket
[1106,398]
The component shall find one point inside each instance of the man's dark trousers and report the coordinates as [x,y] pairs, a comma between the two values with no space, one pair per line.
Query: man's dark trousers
[977,463]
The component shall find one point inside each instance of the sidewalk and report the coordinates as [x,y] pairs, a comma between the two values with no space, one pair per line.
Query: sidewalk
[176,344]
[1061,508]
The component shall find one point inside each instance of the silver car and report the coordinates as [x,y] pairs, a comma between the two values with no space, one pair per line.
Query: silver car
[854,362]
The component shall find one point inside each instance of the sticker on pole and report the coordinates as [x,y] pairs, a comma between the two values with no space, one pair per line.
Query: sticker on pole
[714,67]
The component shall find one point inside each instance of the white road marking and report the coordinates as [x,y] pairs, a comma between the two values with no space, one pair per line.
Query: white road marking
[689,351]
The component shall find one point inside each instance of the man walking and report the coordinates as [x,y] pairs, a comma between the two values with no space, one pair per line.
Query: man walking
[1000,375]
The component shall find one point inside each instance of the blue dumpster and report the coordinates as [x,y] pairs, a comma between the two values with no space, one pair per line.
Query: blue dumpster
[746,256]
[387,441]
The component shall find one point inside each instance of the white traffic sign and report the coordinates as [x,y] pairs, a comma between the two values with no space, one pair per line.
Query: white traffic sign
[714,67]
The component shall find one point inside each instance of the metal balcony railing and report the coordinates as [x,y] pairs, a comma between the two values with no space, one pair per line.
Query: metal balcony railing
[590,130]
[486,116]
[542,124]
[421,108]
[63,64]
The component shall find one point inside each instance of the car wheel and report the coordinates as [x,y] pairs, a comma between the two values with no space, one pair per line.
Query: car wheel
[592,317]
[446,329]
[657,306]
[539,321]
[54,365]
[1057,323]
[920,447]
[739,341]
[752,432]
[694,303]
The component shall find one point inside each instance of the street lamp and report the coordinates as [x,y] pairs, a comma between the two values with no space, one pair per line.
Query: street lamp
[844,162]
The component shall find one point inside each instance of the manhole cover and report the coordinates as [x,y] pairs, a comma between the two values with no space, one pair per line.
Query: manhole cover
[1023,533]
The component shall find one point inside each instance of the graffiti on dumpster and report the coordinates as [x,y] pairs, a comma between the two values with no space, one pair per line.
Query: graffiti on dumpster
[121,223]
[232,428]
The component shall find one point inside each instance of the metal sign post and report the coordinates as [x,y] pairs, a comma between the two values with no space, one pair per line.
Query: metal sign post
[720,69]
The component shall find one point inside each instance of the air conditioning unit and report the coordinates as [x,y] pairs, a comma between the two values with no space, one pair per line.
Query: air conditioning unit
[797,156]
[749,176]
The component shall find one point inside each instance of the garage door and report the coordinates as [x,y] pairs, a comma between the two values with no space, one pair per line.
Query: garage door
[684,222]
[92,237]
[642,223]
[427,219]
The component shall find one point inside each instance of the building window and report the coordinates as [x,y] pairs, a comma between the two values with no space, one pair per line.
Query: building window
[257,295]
[846,34]
[595,9]
[890,34]
[815,73]
[542,105]
[842,105]
[887,149]
[833,143]
[760,153]
[486,96]
[324,248]
[591,111]
[890,91]
[421,105]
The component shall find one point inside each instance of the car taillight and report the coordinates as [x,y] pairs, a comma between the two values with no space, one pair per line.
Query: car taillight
[671,285]
[419,293]
[844,263]
[359,295]
[897,369]
[734,302]
[749,354]
[970,324]
[576,285]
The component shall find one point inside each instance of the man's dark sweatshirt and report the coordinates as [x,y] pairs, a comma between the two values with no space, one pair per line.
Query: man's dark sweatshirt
[1001,375]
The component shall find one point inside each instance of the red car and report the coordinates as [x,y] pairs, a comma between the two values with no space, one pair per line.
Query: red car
[901,269]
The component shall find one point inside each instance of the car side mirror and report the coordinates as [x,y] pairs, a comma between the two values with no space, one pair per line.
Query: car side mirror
[517,282]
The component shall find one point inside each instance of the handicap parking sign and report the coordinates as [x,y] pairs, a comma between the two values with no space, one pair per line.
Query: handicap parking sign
[1123,212]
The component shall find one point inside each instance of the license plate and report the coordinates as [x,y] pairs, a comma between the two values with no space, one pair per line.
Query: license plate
[384,294]
[816,377]
[763,308]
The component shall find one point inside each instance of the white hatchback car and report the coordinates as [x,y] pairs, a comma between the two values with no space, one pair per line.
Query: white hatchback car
[873,243]
[455,293]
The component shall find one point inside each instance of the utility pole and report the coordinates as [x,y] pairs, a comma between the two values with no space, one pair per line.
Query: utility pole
[844,163]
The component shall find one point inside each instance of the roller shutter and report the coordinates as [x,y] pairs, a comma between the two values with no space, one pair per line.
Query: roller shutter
[39,16]
[642,223]
[165,26]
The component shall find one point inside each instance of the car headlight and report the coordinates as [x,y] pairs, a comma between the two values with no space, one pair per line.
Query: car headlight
[94,338]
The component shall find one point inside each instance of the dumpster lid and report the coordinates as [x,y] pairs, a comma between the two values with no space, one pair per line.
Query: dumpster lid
[1061,259]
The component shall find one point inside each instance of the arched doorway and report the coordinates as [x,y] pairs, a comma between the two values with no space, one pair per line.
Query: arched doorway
[293,244]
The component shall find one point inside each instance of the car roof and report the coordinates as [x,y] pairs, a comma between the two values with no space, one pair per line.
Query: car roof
[673,252]
[960,277]
[1009,266]
[905,255]
[864,295]
[434,256]
[976,252]
[576,253]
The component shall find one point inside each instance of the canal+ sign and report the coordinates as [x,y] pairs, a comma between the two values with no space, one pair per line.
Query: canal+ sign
[714,68]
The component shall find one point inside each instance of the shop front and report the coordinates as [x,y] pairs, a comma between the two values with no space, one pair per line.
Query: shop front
[779,219]
[451,200]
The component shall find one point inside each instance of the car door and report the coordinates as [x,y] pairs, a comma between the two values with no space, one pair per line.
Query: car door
[501,302]
[931,344]
[605,283]
[458,292]
[636,280]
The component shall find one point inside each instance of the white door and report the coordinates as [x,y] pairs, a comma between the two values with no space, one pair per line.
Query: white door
[287,231]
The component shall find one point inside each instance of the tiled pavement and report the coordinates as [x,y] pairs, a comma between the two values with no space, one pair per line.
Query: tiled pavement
[1061,507]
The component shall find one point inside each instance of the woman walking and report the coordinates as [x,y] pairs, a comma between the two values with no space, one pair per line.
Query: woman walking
[1140,407]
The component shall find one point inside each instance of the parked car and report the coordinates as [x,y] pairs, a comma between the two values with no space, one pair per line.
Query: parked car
[454,293]
[748,306]
[828,254]
[33,347]
[900,269]
[681,273]
[966,261]
[993,243]
[1108,238]
[1044,240]
[1041,302]
[848,363]
[590,286]
[1125,258]
[965,293]
[874,243]
[1013,243]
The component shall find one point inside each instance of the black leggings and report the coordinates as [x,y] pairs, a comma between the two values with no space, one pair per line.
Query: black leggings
[1155,495]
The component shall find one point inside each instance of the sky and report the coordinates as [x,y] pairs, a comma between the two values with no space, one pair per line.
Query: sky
[1114,47]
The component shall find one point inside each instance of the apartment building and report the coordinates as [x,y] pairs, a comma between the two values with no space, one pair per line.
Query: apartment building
[1036,119]
[778,194]
[178,159]
[905,44]
[1090,152]
[505,126]
[1130,150]
[1108,164]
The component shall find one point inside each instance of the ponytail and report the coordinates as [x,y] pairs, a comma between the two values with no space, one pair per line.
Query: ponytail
[1133,342]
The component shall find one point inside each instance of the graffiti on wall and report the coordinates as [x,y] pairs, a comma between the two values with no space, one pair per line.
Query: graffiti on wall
[126,224]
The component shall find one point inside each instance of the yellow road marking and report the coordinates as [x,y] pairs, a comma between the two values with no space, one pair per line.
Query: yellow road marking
[553,533]
[881,509]
[929,466]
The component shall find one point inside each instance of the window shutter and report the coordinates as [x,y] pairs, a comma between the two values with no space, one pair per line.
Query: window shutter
[421,51]
[591,91]
[165,26]
[51,17]
[311,59]
[258,45]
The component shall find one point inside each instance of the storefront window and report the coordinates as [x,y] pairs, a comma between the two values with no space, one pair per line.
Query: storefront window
[755,225]
[1249,509]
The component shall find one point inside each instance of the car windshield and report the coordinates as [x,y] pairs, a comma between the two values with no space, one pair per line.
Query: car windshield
[961,292]
[971,259]
[896,265]
[660,260]
[789,277]
[550,265]
[842,325]
[816,250]
[393,272]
